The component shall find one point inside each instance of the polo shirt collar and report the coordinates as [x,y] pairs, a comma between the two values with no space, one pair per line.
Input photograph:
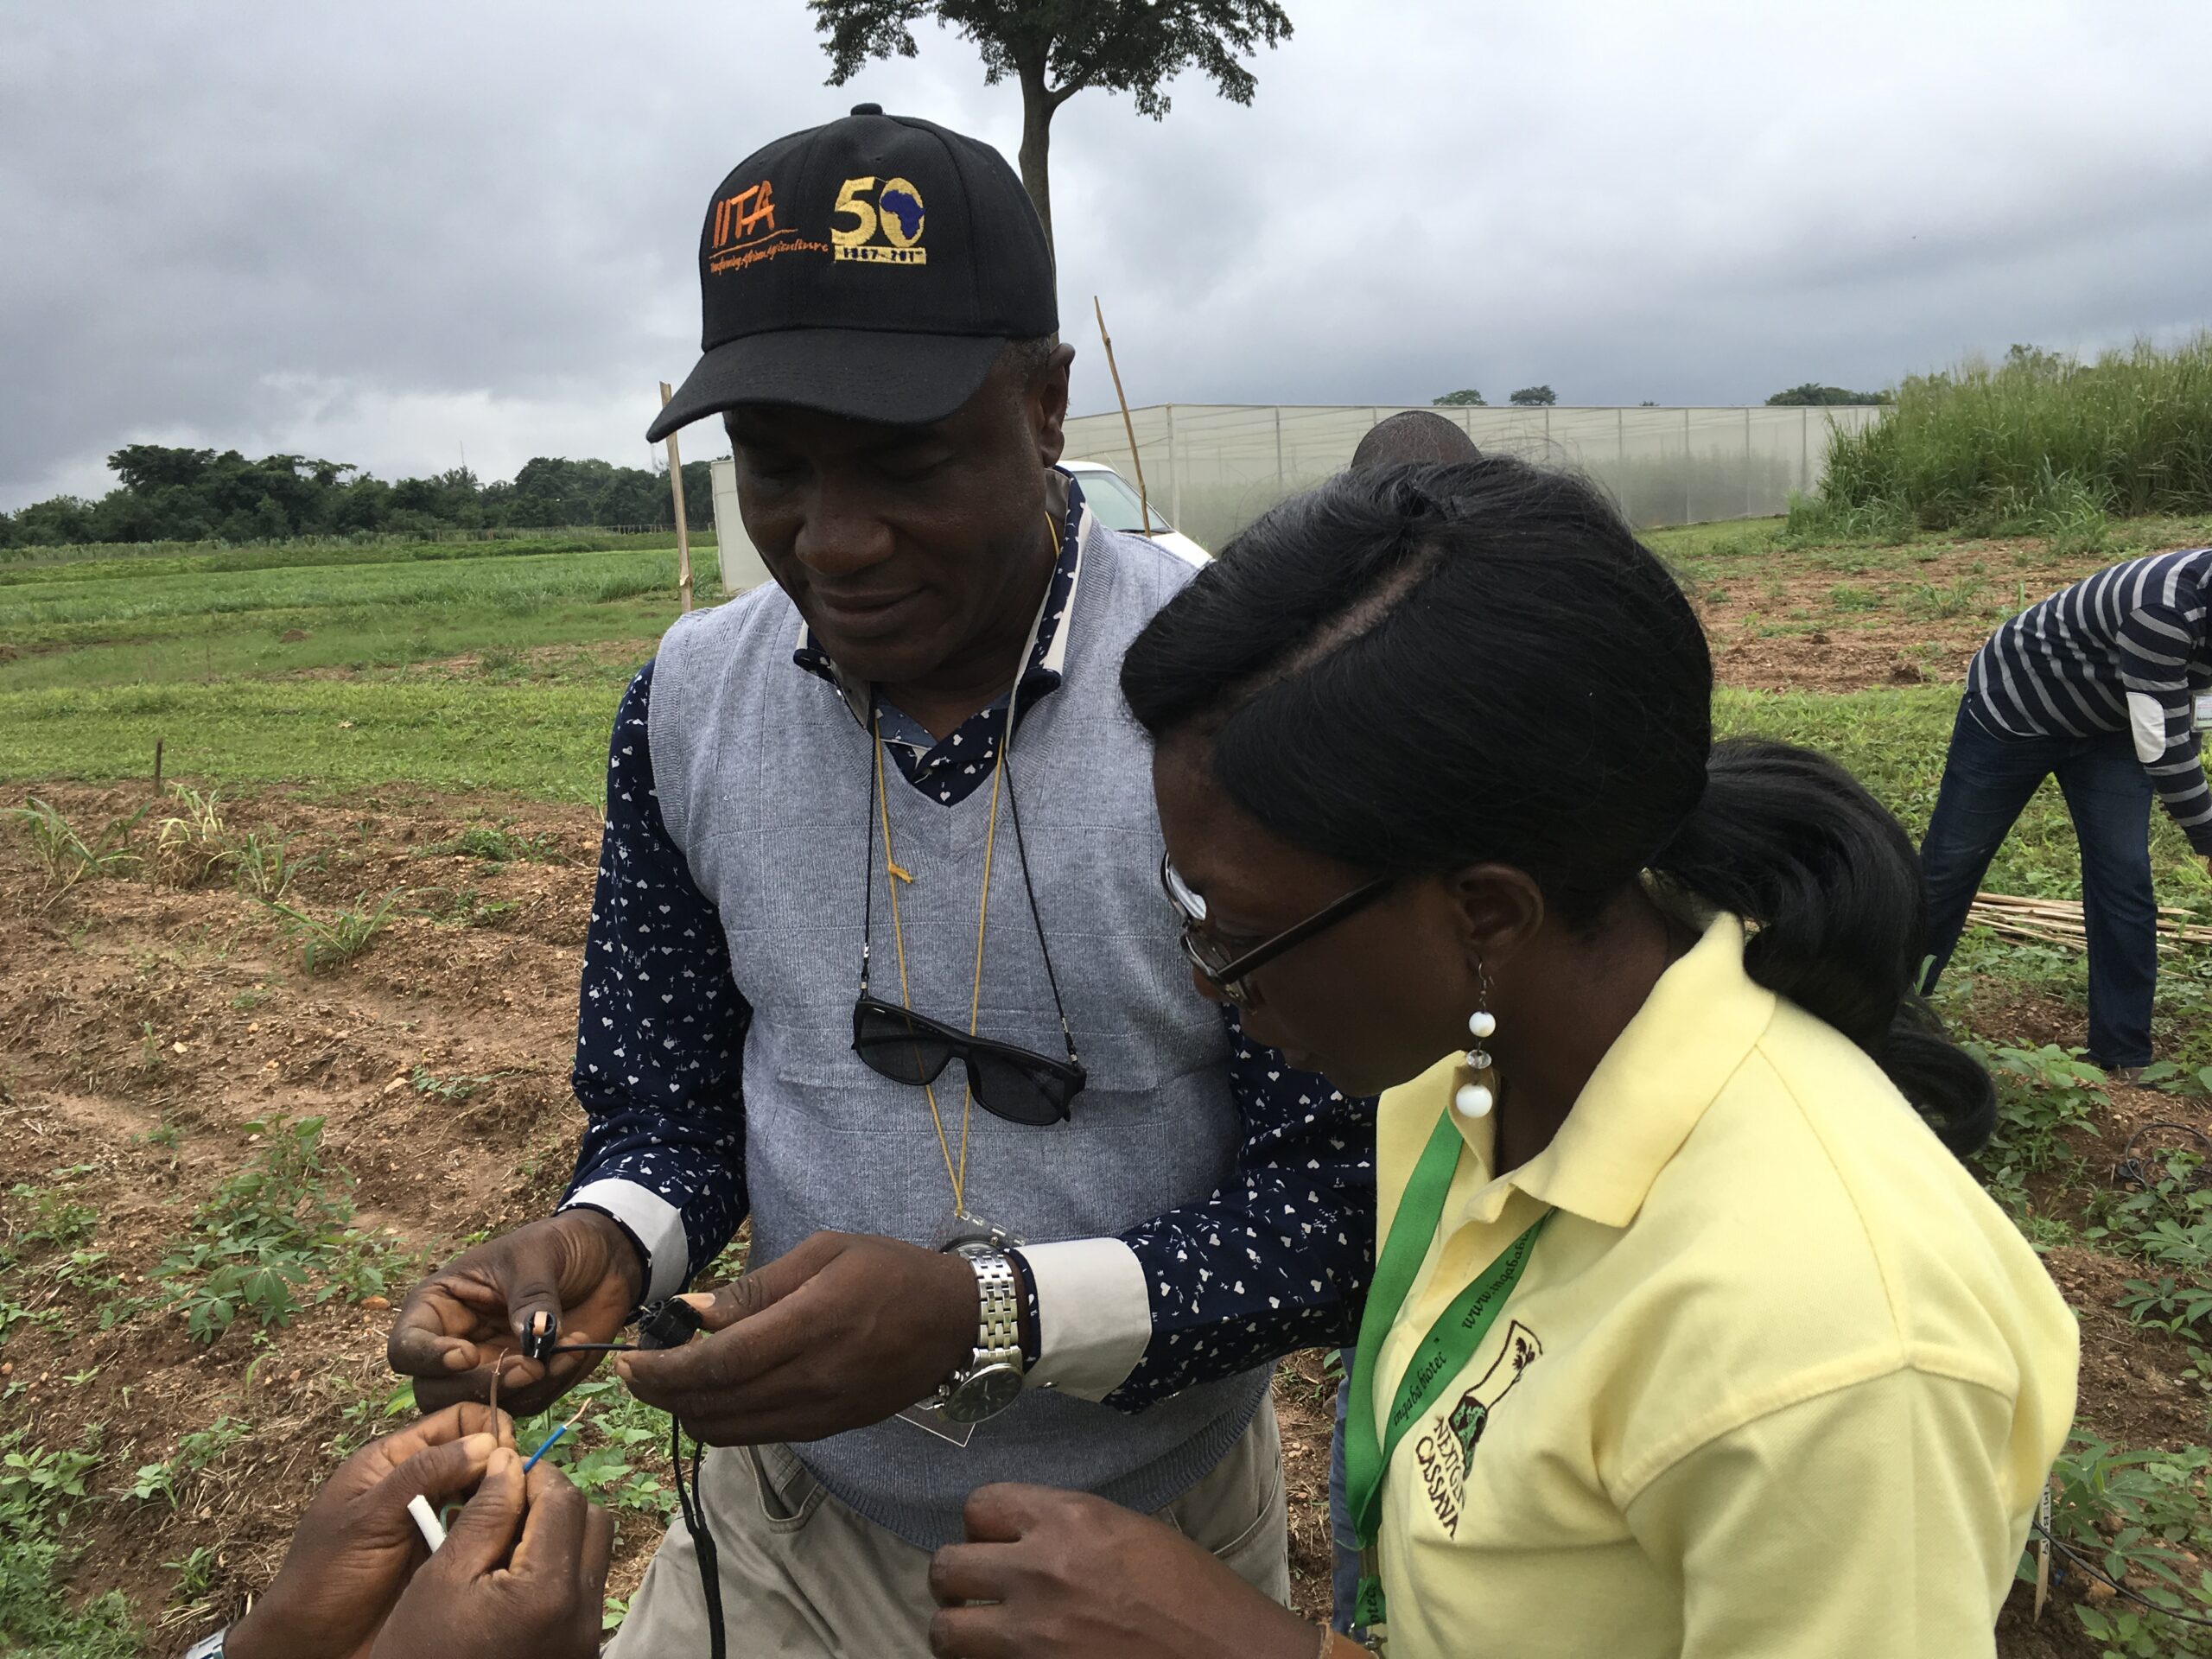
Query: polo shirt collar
[1654,1084]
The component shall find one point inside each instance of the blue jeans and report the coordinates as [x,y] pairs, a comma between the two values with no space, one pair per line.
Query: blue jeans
[1987,782]
[1344,1537]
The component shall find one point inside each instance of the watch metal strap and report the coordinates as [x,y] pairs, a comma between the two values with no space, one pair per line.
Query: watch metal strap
[998,1327]
[208,1648]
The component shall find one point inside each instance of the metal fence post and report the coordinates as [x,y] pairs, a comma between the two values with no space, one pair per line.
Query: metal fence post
[1686,465]
[1281,488]
[1174,472]
[1747,460]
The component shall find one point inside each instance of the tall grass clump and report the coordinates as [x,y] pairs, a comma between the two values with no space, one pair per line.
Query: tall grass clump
[2040,443]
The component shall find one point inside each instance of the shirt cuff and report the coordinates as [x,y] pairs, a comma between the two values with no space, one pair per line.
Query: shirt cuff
[1094,1317]
[656,1224]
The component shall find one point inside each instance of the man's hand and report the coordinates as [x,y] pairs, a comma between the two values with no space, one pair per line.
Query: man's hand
[1069,1576]
[489,1596]
[843,1332]
[356,1544]
[469,1316]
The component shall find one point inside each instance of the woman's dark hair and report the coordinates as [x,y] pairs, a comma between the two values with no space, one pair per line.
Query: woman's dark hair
[1421,668]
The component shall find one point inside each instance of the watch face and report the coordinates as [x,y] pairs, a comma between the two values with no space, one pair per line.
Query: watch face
[984,1394]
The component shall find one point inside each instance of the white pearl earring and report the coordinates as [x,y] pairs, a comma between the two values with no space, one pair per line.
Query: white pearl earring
[1476,1099]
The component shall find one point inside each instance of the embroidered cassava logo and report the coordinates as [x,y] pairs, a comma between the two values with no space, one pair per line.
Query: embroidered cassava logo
[1446,1448]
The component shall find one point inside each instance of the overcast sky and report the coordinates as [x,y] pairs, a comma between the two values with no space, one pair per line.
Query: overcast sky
[388,233]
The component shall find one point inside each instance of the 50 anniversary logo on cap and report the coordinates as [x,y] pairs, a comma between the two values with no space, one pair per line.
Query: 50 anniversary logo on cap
[873,267]
[896,213]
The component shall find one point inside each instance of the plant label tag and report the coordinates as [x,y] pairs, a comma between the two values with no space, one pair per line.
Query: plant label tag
[2204,702]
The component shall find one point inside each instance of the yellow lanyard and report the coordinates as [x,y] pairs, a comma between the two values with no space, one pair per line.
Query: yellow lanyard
[893,876]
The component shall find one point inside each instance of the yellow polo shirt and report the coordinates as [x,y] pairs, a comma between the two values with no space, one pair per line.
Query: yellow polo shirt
[1779,1380]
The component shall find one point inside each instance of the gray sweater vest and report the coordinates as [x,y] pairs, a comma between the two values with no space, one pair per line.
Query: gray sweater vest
[762,775]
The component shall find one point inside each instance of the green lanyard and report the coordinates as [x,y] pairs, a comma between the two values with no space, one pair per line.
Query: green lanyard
[1442,1354]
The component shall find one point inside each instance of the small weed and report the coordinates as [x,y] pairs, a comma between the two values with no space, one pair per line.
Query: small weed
[333,941]
[464,907]
[262,866]
[453,1089]
[1926,603]
[68,858]
[39,1487]
[1854,599]
[498,844]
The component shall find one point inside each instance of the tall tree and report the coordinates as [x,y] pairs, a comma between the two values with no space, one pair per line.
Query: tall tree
[1467,397]
[1054,48]
[1533,397]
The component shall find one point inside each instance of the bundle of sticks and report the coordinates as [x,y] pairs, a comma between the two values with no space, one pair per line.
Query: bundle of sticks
[2058,921]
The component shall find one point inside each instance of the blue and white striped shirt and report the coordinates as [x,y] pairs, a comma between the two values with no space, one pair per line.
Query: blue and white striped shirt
[2123,650]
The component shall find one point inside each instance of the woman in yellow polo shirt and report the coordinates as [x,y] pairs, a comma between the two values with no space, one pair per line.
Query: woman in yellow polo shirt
[1688,1335]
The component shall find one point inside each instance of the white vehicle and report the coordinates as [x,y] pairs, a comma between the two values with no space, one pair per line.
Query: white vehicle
[1115,500]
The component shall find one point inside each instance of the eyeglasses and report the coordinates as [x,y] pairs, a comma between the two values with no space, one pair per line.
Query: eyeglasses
[1009,1082]
[1229,972]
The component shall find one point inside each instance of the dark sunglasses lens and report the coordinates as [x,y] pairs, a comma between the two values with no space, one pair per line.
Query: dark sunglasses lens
[1018,1093]
[898,1047]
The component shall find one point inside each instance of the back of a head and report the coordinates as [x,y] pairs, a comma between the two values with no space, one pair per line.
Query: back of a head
[1416,669]
[1413,437]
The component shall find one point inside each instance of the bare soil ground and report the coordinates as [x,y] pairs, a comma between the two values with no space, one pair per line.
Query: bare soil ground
[1853,618]
[128,1011]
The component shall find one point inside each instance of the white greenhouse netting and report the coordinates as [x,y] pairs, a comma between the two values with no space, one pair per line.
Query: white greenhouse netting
[1214,468]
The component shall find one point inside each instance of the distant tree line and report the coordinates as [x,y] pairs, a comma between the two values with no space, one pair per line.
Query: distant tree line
[194,495]
[1812,393]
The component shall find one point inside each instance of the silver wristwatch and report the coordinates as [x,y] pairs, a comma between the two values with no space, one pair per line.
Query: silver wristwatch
[988,1384]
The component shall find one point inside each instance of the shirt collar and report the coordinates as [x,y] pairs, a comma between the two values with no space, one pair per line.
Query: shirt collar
[1047,657]
[1650,1089]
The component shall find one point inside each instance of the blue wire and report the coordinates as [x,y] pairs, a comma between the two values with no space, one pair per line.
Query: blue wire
[543,1449]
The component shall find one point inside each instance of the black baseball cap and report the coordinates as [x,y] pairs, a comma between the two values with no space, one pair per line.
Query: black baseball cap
[873,268]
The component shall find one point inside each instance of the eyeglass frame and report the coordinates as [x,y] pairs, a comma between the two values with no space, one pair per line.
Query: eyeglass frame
[1230,976]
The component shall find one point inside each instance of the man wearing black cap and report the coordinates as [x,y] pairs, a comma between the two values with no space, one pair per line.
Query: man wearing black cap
[879,961]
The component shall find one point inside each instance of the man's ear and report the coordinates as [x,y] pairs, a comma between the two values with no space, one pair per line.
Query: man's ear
[1048,404]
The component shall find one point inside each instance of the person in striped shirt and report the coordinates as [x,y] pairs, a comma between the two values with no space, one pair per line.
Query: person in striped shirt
[2101,686]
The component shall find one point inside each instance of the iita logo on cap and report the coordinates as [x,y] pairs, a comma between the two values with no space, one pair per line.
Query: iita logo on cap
[745,233]
[886,223]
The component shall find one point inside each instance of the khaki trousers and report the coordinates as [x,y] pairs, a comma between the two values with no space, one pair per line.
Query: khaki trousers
[802,1575]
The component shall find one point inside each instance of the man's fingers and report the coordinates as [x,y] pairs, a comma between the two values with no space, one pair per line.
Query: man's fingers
[484,1531]
[440,1428]
[599,1558]
[728,1359]
[553,1532]
[441,1317]
[750,1293]
[440,1473]
[974,1633]
[1004,1513]
[961,1573]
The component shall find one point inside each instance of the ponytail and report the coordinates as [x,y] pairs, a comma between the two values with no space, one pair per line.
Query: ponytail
[1416,669]
[1828,881]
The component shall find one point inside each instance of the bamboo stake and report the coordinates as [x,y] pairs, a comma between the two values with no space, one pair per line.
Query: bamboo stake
[676,485]
[1144,504]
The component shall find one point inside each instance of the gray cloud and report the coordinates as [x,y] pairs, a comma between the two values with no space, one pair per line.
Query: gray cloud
[386,234]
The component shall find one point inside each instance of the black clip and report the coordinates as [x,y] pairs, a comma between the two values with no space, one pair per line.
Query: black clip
[539,1335]
[669,1323]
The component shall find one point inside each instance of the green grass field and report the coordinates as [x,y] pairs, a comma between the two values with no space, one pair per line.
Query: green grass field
[497,666]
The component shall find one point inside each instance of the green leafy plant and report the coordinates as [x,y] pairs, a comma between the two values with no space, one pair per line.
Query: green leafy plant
[39,1487]
[272,1237]
[2136,1515]
[333,941]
